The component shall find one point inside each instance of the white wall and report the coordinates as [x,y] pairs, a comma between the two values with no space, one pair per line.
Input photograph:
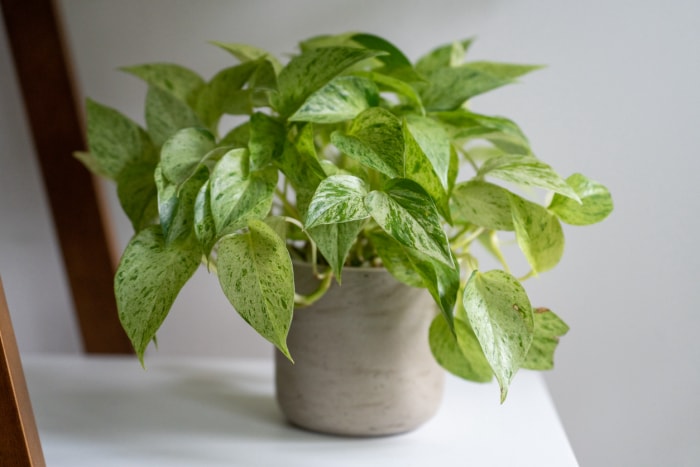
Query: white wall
[619,102]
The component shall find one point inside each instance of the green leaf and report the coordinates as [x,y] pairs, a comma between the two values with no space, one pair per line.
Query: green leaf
[310,71]
[548,328]
[449,88]
[176,205]
[395,63]
[441,280]
[470,363]
[596,202]
[527,171]
[138,194]
[338,198]
[114,140]
[204,226]
[538,232]
[237,194]
[407,213]
[483,204]
[341,99]
[445,56]
[148,279]
[237,137]
[434,142]
[334,242]
[249,53]
[255,272]
[267,137]
[503,133]
[375,139]
[181,82]
[183,152]
[224,94]
[166,114]
[498,310]
[420,168]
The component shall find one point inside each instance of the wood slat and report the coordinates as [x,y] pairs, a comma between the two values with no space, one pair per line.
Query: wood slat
[19,438]
[55,121]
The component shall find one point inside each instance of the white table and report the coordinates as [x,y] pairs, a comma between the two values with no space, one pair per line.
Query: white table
[107,411]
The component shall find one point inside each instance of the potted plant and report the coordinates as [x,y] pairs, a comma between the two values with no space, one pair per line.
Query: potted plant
[349,161]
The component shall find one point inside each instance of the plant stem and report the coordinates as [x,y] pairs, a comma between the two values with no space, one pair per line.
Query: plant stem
[288,207]
[495,246]
[313,297]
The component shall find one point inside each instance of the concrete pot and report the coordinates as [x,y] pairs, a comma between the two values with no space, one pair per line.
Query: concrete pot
[363,366]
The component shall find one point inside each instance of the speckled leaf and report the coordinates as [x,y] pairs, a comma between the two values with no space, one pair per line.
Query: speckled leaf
[176,205]
[340,100]
[483,204]
[596,202]
[114,140]
[538,232]
[310,71]
[204,227]
[441,280]
[182,153]
[407,213]
[166,114]
[224,94]
[148,279]
[237,137]
[338,198]
[247,53]
[395,62]
[527,171]
[464,359]
[449,88]
[334,242]
[375,139]
[498,310]
[238,194]
[434,142]
[448,55]
[548,328]
[267,137]
[255,273]
[182,82]
[505,134]
[138,194]
[421,170]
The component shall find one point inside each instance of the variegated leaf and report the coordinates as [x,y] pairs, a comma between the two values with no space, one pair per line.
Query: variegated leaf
[538,232]
[338,198]
[596,202]
[341,99]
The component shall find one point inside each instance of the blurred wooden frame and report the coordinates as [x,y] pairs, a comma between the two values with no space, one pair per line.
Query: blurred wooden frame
[19,438]
[34,32]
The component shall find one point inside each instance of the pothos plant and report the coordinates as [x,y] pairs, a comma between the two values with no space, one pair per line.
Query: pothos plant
[347,155]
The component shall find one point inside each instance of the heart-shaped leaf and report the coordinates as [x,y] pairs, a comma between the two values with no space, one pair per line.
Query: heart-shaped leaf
[407,213]
[340,100]
[148,279]
[183,152]
[498,310]
[166,114]
[538,232]
[463,358]
[334,242]
[596,202]
[375,139]
[548,328]
[237,194]
[310,71]
[181,82]
[255,272]
[338,198]
[483,204]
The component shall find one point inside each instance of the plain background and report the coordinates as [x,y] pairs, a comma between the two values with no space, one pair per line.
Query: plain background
[618,102]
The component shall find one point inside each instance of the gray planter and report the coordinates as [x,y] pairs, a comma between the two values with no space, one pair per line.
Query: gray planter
[363,366]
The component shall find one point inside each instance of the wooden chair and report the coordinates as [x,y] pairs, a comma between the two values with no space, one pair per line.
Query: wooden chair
[19,439]
[34,33]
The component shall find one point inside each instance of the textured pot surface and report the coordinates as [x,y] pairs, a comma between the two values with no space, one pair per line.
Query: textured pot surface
[363,366]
